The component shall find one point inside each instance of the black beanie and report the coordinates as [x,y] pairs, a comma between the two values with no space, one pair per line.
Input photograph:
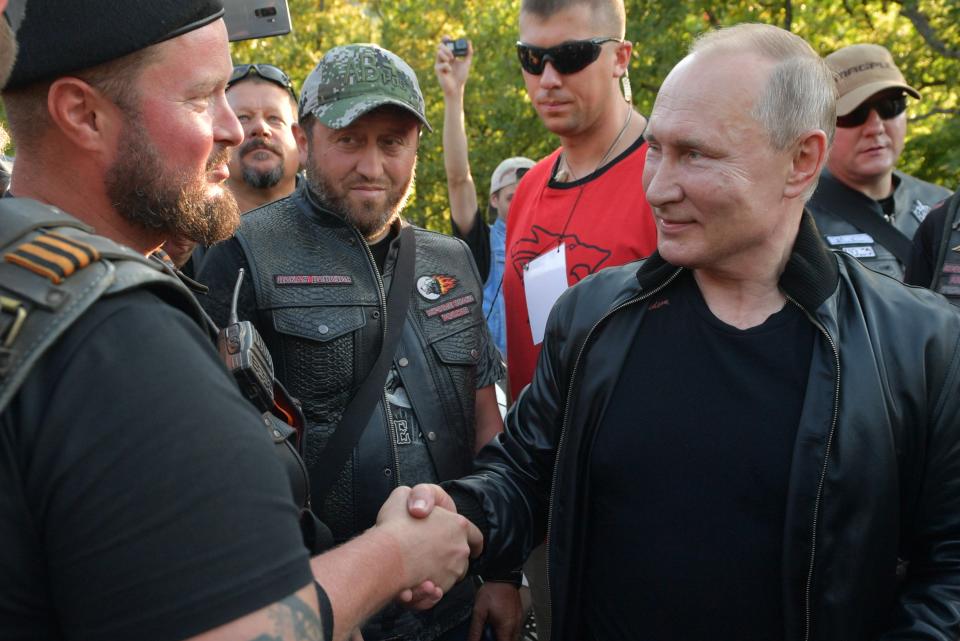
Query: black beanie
[59,37]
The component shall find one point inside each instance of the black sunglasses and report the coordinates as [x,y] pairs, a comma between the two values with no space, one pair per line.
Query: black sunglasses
[265,71]
[521,171]
[886,108]
[567,57]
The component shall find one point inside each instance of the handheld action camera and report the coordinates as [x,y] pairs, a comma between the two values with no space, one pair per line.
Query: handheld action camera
[460,46]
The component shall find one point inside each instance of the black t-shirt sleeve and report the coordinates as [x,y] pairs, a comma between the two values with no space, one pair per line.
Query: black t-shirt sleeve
[160,506]
[926,243]
[477,239]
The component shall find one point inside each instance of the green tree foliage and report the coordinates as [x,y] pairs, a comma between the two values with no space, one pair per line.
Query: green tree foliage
[924,37]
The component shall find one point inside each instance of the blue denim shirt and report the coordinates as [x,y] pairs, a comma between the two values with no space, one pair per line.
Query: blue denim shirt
[493,288]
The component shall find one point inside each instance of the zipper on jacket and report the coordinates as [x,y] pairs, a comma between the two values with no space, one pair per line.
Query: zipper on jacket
[566,410]
[808,589]
[383,338]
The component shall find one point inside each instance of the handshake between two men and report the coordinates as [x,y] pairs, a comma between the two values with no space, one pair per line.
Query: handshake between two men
[439,542]
[418,549]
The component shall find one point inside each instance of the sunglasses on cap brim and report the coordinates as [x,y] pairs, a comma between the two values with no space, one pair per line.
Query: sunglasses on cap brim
[567,57]
[887,108]
[265,71]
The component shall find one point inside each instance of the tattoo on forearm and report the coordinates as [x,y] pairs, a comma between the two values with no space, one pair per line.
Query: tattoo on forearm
[293,620]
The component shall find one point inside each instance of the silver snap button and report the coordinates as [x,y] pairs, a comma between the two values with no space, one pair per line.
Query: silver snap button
[432,436]
[403,362]
[323,329]
[474,353]
[387,472]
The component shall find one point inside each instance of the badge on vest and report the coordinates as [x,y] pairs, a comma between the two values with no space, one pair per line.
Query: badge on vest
[434,286]
[920,210]
[452,309]
[861,252]
[312,279]
[850,239]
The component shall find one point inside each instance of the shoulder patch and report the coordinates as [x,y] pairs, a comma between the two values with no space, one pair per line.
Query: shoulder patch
[53,256]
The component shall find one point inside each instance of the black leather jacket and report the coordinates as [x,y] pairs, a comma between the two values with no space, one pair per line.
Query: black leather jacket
[876,465]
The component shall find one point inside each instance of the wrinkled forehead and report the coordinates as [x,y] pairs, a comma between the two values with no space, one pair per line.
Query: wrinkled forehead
[715,77]
[708,92]
[257,93]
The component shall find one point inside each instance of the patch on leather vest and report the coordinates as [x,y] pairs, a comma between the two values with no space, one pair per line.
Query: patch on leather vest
[948,282]
[920,210]
[452,309]
[861,252]
[436,285]
[312,279]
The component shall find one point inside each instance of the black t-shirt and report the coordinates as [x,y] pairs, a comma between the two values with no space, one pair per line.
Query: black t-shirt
[688,476]
[926,243]
[381,249]
[140,497]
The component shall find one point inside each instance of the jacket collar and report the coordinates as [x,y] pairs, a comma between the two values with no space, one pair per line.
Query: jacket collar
[311,203]
[809,278]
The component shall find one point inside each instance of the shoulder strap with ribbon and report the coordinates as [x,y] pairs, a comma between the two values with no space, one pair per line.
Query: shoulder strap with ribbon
[53,269]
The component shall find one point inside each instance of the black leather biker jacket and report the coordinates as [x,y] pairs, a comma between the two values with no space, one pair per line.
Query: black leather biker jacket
[876,466]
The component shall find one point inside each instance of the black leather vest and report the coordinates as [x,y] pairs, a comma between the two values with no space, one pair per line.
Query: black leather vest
[322,302]
[913,199]
[948,266]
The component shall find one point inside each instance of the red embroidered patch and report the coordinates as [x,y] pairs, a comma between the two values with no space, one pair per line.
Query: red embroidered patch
[313,279]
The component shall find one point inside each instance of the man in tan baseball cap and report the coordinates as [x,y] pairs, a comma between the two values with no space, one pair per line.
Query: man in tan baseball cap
[863,205]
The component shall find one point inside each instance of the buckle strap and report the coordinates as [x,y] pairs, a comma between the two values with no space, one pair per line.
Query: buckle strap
[11,327]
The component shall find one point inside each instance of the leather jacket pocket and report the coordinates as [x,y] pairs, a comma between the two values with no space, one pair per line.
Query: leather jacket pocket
[322,323]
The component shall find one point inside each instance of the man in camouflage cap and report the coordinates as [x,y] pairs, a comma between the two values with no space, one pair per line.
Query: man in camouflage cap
[355,79]
[322,262]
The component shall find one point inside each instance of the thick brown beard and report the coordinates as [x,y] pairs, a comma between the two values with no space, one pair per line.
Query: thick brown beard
[169,203]
[367,220]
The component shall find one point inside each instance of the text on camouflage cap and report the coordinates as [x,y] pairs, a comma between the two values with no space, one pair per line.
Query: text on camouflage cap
[352,80]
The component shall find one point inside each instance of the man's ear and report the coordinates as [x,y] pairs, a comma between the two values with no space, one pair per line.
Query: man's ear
[624,49]
[809,154]
[300,136]
[83,114]
[494,199]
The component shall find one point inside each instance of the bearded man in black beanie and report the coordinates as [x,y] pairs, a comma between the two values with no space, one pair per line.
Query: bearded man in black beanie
[139,496]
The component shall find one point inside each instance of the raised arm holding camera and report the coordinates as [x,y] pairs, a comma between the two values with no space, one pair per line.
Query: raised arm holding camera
[487,242]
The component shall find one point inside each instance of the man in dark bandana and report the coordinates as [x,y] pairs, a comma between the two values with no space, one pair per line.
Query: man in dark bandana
[139,497]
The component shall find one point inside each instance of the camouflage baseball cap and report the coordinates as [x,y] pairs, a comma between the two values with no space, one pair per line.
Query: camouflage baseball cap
[352,80]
